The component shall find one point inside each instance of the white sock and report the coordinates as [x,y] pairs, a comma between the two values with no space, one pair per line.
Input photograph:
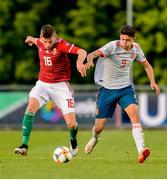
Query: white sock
[138,136]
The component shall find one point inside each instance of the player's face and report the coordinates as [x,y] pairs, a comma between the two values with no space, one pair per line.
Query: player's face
[48,42]
[126,41]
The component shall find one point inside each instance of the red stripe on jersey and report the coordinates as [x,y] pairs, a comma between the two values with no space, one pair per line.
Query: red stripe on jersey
[68,48]
[101,54]
[74,50]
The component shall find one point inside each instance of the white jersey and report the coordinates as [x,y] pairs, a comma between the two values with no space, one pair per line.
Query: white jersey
[113,69]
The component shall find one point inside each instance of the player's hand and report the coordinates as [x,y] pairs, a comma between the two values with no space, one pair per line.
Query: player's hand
[155,86]
[81,68]
[89,64]
[30,43]
[89,59]
[30,40]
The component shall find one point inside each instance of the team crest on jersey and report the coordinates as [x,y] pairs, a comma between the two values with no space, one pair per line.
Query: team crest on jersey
[133,55]
[54,51]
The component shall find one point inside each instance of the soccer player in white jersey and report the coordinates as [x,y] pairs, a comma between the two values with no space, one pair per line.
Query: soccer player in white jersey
[53,83]
[112,73]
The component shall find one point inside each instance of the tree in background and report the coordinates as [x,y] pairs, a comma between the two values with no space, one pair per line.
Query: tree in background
[88,23]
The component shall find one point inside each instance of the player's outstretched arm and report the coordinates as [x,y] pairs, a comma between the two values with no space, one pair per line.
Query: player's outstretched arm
[149,70]
[80,66]
[90,57]
[31,40]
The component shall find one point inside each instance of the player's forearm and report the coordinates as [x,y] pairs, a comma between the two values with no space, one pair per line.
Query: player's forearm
[150,73]
[93,55]
[80,66]
[81,56]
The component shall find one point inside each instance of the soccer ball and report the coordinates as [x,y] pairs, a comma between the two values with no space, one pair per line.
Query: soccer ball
[62,154]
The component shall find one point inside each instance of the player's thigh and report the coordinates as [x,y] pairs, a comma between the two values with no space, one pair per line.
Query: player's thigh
[40,93]
[126,97]
[128,102]
[63,96]
[106,103]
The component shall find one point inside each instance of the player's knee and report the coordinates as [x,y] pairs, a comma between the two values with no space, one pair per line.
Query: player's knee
[33,105]
[98,129]
[32,109]
[71,125]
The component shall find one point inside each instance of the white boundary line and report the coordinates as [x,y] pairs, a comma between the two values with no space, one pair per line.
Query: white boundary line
[12,107]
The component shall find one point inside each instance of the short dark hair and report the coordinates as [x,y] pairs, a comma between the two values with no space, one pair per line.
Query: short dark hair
[47,31]
[128,30]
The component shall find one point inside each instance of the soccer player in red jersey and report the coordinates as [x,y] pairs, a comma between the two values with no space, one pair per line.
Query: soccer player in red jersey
[53,83]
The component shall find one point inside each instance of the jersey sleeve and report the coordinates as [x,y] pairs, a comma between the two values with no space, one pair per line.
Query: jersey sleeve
[39,43]
[67,47]
[140,54]
[107,49]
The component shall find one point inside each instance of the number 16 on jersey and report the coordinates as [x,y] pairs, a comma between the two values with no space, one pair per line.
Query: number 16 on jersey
[48,61]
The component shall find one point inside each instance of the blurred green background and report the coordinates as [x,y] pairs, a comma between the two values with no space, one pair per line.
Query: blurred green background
[89,24]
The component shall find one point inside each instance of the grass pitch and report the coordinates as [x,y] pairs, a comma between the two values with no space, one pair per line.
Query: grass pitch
[114,156]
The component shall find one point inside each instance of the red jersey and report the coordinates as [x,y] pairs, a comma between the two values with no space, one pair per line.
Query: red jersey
[54,63]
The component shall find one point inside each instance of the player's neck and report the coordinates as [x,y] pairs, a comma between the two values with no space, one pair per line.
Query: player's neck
[127,48]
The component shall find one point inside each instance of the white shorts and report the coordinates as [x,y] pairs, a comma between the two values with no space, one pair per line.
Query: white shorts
[60,93]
